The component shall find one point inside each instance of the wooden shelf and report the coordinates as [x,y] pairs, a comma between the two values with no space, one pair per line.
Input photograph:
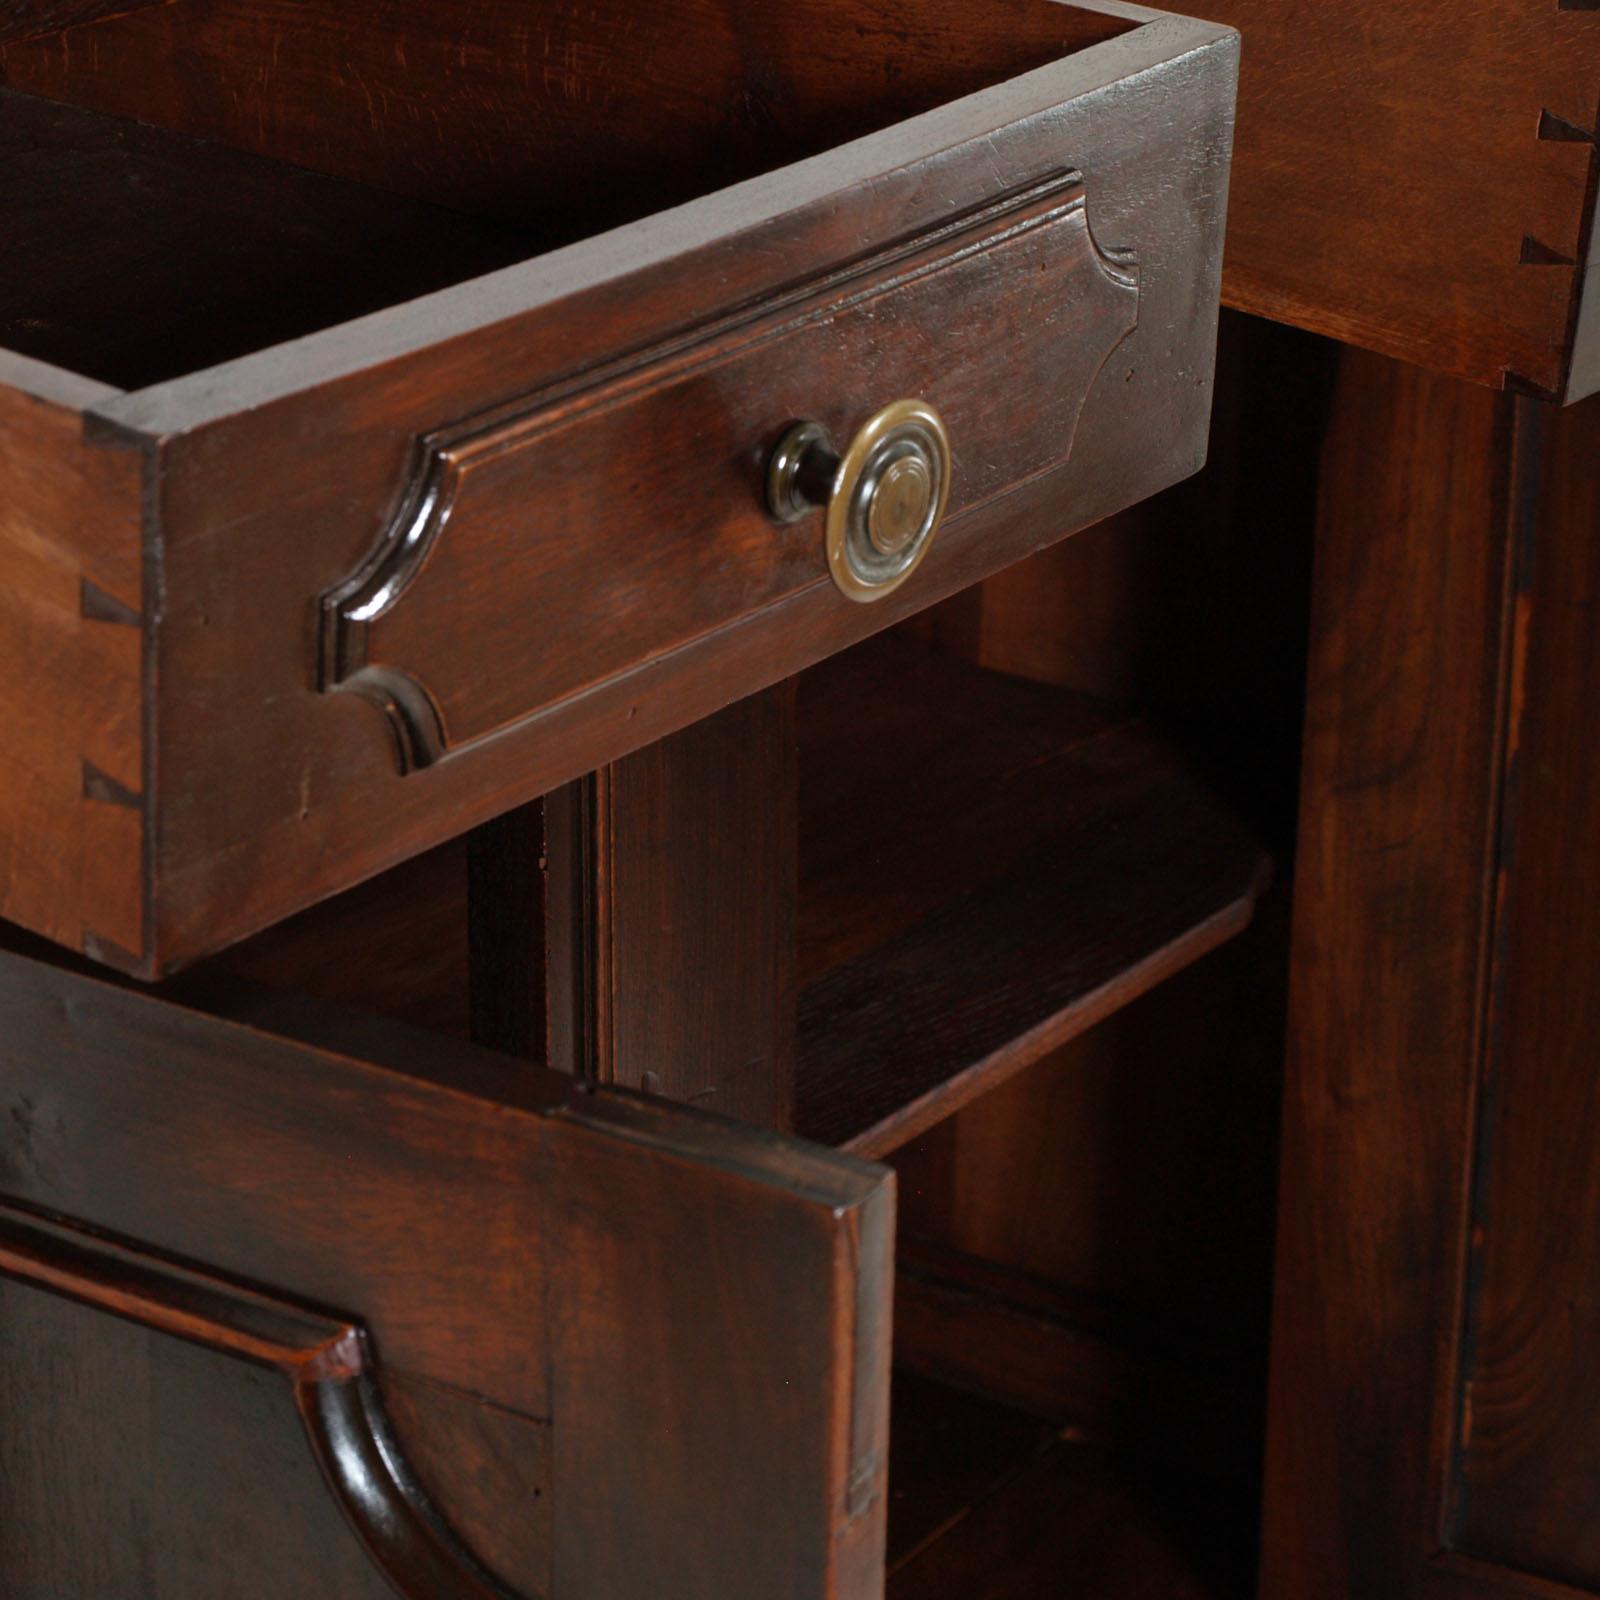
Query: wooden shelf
[988,867]
[991,1504]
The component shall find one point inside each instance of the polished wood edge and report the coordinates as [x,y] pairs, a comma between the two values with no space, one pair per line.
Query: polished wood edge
[578,1032]
[1583,372]
[384,1050]
[442,461]
[326,1361]
[840,1182]
[55,385]
[864,1269]
[201,399]
[884,1137]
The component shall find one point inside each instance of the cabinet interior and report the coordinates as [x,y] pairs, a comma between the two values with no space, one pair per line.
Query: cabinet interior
[1036,847]
[187,182]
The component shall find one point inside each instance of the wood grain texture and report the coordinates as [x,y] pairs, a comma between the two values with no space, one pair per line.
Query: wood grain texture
[1384,151]
[1392,898]
[135,255]
[72,853]
[133,1463]
[1193,603]
[1111,1372]
[988,868]
[482,112]
[507,1236]
[695,899]
[1529,1462]
[1390,168]
[333,453]
[1134,1170]
[486,1469]
[324,1362]
[432,626]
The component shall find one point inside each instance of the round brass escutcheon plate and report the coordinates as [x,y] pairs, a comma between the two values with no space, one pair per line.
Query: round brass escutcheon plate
[888,499]
[905,491]
[885,496]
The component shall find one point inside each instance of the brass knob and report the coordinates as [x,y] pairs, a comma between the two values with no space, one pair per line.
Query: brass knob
[884,496]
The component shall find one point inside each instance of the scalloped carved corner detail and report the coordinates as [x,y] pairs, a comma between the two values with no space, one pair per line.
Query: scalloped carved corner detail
[325,1360]
[439,638]
[351,607]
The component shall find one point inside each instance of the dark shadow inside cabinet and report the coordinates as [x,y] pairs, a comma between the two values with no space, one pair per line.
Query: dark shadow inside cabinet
[244,172]
[999,896]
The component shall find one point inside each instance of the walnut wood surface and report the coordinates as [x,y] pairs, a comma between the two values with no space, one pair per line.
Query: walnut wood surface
[695,899]
[499,515]
[277,474]
[482,112]
[1112,1372]
[325,1363]
[1384,150]
[73,756]
[27,19]
[987,867]
[1529,1461]
[134,1463]
[1418,179]
[403,945]
[1420,507]
[1135,1169]
[506,1236]
[134,255]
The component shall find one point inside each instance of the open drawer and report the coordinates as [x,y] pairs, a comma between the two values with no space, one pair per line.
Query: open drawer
[385,433]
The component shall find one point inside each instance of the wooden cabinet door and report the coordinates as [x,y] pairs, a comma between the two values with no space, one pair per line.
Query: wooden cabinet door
[1435,1400]
[364,1311]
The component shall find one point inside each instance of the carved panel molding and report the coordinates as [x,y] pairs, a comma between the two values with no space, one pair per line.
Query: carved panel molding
[325,1361]
[580,532]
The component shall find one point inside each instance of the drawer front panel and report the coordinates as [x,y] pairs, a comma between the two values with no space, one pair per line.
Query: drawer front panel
[543,548]
[527,518]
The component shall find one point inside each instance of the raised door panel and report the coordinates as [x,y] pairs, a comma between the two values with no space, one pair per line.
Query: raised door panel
[1527,1481]
[560,1324]
[1435,1407]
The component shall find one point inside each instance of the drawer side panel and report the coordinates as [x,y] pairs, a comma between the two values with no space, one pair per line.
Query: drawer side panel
[71,662]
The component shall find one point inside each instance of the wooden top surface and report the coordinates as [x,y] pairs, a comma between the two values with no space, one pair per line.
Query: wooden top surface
[1418,179]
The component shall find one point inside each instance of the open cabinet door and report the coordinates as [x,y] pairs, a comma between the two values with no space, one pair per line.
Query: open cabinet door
[365,1311]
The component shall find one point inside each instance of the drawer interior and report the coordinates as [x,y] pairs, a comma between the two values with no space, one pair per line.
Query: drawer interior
[191,181]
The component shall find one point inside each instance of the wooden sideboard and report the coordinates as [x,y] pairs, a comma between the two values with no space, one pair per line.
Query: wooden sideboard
[549,1051]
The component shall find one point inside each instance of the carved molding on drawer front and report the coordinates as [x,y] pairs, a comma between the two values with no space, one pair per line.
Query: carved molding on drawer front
[325,1361]
[603,522]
